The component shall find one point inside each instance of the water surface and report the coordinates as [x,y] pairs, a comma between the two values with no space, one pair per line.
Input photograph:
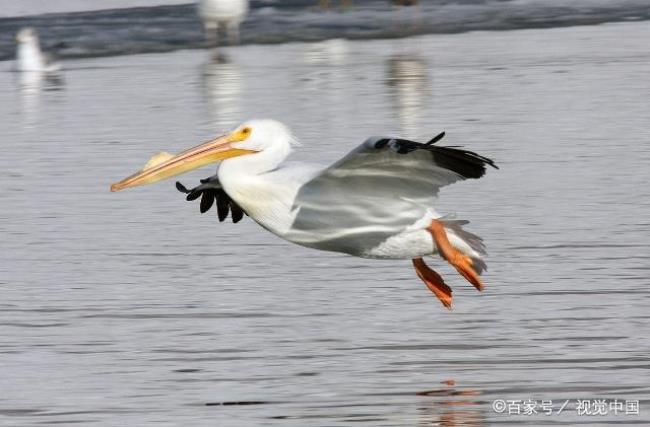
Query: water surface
[132,308]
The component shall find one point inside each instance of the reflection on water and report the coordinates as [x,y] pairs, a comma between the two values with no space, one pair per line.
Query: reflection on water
[452,416]
[324,77]
[31,84]
[452,413]
[451,406]
[332,52]
[407,78]
[223,89]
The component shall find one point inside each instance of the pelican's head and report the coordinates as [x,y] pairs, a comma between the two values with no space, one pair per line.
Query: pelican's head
[265,134]
[256,144]
[26,35]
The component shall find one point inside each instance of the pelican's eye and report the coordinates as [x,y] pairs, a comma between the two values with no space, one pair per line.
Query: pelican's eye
[241,134]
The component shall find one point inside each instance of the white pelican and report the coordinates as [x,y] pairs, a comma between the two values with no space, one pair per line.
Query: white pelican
[28,53]
[222,14]
[376,202]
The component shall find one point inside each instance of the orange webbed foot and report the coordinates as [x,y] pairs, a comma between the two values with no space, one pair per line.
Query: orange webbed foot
[461,262]
[434,282]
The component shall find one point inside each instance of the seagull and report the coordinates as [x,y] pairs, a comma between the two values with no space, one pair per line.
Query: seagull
[28,53]
[376,202]
[222,14]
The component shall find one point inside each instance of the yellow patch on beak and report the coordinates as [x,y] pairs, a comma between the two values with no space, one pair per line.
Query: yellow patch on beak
[158,159]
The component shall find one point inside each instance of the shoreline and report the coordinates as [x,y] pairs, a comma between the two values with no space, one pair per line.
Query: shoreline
[161,29]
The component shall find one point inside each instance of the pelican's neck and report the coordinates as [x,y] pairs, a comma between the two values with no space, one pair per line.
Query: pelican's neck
[259,163]
[256,183]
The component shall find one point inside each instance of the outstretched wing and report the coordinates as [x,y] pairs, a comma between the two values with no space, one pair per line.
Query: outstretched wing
[402,163]
[379,189]
[211,192]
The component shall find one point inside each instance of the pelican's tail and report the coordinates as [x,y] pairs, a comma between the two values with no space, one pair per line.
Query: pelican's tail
[468,243]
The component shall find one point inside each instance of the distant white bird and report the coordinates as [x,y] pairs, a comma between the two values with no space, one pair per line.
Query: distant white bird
[28,53]
[376,202]
[218,15]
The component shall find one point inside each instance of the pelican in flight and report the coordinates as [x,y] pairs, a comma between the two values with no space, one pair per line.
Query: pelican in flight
[376,202]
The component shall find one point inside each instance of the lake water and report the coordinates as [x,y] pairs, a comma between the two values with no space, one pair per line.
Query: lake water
[131,308]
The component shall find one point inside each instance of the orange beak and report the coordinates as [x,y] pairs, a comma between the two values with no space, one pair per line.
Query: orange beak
[165,165]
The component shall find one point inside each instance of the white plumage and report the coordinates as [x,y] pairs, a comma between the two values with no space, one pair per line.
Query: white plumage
[376,202]
[222,14]
[28,53]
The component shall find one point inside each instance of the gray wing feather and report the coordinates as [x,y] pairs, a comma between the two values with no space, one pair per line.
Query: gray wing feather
[378,190]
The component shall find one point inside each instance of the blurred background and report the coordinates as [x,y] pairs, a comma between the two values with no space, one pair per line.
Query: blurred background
[134,309]
[72,28]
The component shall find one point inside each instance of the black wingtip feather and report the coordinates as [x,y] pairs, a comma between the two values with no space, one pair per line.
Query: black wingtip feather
[206,201]
[223,206]
[193,195]
[211,195]
[236,212]
[180,187]
[465,163]
[436,138]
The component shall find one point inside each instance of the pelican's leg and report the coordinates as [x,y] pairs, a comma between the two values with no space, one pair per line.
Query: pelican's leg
[461,262]
[232,30]
[433,281]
